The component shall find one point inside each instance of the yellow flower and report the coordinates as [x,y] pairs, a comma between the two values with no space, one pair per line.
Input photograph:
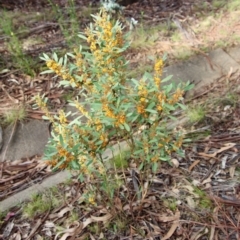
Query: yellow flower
[52,162]
[54,66]
[158,67]
[81,109]
[121,119]
[141,109]
[108,111]
[176,96]
[159,107]
[91,200]
[62,117]
[161,97]
[157,81]
[155,158]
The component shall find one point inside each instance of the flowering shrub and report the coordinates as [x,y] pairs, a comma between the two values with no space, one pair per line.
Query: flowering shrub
[114,106]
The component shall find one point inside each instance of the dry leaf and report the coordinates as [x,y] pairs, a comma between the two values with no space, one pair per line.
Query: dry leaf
[190,202]
[8,229]
[208,180]
[101,219]
[118,203]
[173,227]
[167,218]
[232,171]
[60,214]
[193,165]
[213,155]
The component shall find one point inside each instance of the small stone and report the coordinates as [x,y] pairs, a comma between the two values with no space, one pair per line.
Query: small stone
[175,162]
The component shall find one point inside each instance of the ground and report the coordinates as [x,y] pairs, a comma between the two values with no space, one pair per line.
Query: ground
[197,197]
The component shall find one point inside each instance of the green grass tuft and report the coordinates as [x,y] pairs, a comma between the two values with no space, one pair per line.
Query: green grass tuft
[10,116]
[196,114]
[40,203]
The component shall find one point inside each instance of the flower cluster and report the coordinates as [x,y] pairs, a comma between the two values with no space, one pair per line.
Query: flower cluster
[60,71]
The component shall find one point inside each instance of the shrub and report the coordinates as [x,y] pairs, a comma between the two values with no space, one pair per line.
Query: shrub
[115,106]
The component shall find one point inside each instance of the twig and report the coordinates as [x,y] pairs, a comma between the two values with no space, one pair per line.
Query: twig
[199,95]
[205,55]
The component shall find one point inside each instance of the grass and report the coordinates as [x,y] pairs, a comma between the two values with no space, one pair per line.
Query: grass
[118,226]
[231,99]
[14,46]
[196,114]
[203,202]
[184,54]
[10,116]
[41,203]
[142,37]
[2,216]
[233,5]
[68,21]
[120,161]
[170,203]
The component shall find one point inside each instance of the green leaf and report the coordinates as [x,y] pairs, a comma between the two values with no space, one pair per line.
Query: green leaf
[151,110]
[172,117]
[74,165]
[169,87]
[70,54]
[129,114]
[55,57]
[164,57]
[82,36]
[147,75]
[127,127]
[138,152]
[189,87]
[135,118]
[182,106]
[64,83]
[151,57]
[164,159]
[45,118]
[141,166]
[154,167]
[170,107]
[76,147]
[60,61]
[47,71]
[81,177]
[151,105]
[65,60]
[59,164]
[61,140]
[167,78]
